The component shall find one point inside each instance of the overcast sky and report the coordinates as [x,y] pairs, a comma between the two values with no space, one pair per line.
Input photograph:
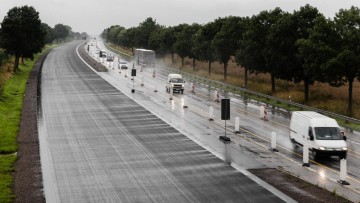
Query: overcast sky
[93,16]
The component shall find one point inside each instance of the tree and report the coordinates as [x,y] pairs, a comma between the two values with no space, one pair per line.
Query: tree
[49,36]
[113,33]
[256,52]
[203,47]
[143,33]
[184,41]
[126,38]
[304,20]
[227,39]
[345,66]
[21,33]
[319,49]
[61,32]
[156,42]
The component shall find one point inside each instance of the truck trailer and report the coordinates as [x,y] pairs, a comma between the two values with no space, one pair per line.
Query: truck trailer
[144,57]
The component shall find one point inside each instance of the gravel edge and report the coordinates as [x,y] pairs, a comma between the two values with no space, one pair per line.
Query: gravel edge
[28,183]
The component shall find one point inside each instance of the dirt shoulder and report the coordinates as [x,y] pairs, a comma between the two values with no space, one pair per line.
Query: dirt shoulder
[28,185]
[299,190]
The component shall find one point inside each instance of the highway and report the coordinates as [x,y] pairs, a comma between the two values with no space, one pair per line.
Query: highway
[252,128]
[98,144]
[248,113]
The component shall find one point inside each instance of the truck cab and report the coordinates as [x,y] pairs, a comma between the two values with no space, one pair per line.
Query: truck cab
[175,82]
[320,133]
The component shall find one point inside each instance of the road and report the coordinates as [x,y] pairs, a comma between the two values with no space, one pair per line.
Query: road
[252,128]
[248,113]
[98,145]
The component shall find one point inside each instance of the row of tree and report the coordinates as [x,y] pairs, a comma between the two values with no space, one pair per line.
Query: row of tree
[22,33]
[302,46]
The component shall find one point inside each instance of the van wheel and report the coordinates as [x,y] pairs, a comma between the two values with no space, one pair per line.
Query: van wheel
[294,145]
[182,91]
[342,156]
[315,154]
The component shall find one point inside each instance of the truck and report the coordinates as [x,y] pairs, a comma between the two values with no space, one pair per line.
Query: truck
[175,82]
[321,134]
[144,57]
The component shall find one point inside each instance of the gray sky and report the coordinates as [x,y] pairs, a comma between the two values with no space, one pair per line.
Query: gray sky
[93,16]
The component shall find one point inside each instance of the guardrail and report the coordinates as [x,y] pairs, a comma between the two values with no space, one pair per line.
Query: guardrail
[127,57]
[268,97]
[244,90]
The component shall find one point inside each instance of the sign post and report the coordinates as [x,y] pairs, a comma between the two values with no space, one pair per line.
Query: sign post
[225,115]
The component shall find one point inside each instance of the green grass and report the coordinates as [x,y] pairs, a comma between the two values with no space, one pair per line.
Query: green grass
[11,102]
[11,106]
[6,179]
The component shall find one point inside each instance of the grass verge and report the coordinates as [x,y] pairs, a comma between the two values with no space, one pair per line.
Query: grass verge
[11,102]
[6,179]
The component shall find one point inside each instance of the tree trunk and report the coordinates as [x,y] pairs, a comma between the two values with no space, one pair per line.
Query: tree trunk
[272,83]
[16,64]
[225,71]
[349,110]
[172,58]
[209,67]
[306,91]
[22,60]
[245,77]
[193,64]
[182,62]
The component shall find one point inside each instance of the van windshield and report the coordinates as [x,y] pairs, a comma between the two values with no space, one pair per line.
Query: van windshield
[177,80]
[328,133]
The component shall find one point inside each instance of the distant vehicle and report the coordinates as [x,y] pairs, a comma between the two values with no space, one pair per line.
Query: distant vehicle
[320,133]
[144,57]
[102,54]
[122,65]
[97,51]
[175,82]
[110,58]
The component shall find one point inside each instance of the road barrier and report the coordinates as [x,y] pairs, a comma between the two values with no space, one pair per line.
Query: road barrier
[343,172]
[185,102]
[273,142]
[306,155]
[171,93]
[211,111]
[244,91]
[217,96]
[237,125]
[155,88]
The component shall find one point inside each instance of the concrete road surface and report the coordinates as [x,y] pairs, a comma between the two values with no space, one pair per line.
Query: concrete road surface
[98,145]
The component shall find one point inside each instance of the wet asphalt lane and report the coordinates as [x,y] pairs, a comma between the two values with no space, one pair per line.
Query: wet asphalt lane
[101,146]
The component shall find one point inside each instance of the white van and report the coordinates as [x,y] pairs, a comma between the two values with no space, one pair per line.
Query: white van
[175,82]
[321,134]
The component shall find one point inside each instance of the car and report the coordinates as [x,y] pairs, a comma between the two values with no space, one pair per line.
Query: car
[175,82]
[321,134]
[122,65]
[110,58]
